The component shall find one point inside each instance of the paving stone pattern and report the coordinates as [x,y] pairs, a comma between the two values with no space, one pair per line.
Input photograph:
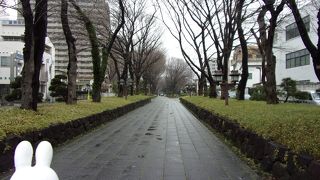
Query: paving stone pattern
[161,140]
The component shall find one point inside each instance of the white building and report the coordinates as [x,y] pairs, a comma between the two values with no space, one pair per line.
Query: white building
[254,64]
[11,58]
[213,64]
[293,59]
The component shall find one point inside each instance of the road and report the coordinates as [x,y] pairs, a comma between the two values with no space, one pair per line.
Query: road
[161,140]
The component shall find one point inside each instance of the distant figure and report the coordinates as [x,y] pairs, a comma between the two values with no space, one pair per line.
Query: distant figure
[23,158]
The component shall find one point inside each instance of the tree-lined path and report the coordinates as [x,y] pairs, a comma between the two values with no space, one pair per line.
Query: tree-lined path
[161,140]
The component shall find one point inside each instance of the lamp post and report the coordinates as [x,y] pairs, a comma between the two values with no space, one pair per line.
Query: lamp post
[234,75]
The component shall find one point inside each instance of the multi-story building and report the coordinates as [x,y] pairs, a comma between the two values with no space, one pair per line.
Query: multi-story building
[11,57]
[213,64]
[293,59]
[254,64]
[98,12]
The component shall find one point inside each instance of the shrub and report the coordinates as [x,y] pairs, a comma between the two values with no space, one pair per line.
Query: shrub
[14,95]
[257,93]
[289,87]
[16,92]
[301,95]
[58,87]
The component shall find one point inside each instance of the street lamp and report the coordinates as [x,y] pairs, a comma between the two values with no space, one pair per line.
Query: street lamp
[234,75]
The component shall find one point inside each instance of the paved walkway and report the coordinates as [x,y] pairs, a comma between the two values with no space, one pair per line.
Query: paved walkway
[161,140]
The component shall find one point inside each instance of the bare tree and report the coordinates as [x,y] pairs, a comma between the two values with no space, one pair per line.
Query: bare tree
[139,38]
[34,38]
[190,29]
[265,43]
[99,60]
[312,48]
[147,52]
[243,14]
[72,66]
[155,68]
[177,75]
[124,44]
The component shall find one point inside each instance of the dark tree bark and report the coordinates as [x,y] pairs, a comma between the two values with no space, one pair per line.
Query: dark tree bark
[40,33]
[28,56]
[314,50]
[202,81]
[35,34]
[72,66]
[244,49]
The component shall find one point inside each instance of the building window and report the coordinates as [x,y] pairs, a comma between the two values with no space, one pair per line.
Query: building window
[250,76]
[298,58]
[5,61]
[292,29]
[12,38]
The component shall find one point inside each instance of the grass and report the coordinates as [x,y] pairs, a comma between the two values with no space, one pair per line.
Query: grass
[294,125]
[17,121]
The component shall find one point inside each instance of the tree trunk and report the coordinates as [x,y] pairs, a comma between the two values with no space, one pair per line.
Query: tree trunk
[202,81]
[96,92]
[205,88]
[286,100]
[271,90]
[120,90]
[212,90]
[72,66]
[28,56]
[40,33]
[243,43]
[35,34]
[145,88]
[137,83]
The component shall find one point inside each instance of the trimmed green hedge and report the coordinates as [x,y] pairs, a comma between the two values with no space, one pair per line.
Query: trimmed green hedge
[294,125]
[16,121]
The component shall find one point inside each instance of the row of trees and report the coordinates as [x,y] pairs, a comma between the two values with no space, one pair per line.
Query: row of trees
[210,29]
[131,42]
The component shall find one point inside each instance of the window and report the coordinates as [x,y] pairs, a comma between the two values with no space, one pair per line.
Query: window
[5,61]
[298,58]
[250,76]
[12,38]
[292,29]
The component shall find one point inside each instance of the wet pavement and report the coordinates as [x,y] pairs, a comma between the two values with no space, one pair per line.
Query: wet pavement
[161,140]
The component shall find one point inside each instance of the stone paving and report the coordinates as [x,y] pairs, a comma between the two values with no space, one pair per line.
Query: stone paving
[161,140]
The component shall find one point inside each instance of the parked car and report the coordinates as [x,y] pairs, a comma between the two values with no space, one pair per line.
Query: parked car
[233,94]
[313,98]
